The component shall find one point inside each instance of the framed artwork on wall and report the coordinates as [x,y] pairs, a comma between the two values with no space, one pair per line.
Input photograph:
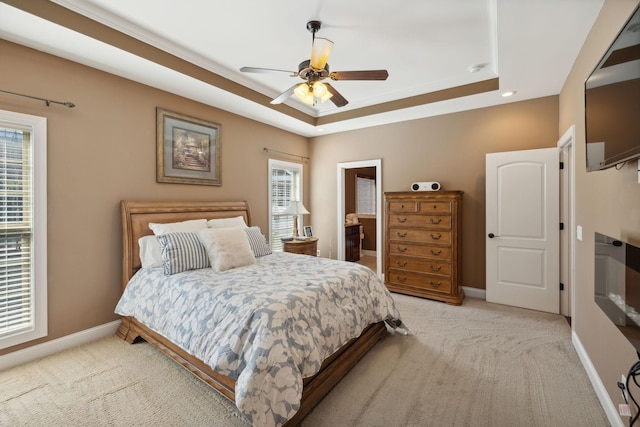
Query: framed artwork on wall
[188,150]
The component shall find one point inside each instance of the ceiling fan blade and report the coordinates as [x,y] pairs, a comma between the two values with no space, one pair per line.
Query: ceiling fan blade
[360,75]
[266,70]
[284,95]
[320,51]
[337,99]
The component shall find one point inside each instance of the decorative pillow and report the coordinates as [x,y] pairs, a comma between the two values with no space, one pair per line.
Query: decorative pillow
[257,241]
[181,252]
[191,225]
[234,222]
[150,253]
[227,248]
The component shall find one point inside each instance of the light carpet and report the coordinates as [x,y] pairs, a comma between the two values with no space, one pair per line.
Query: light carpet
[479,364]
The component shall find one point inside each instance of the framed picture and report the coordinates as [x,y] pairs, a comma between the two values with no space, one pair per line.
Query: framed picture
[187,149]
[307,231]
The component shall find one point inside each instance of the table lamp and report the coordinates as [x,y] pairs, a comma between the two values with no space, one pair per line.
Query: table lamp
[295,208]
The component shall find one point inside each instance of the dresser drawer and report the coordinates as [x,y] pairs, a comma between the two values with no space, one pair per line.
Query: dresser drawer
[416,235]
[439,207]
[434,252]
[431,221]
[431,266]
[419,280]
[403,206]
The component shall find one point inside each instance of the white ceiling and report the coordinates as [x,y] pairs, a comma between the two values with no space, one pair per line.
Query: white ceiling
[426,45]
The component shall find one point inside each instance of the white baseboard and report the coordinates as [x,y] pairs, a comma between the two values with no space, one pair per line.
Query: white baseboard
[608,405]
[474,292]
[54,346]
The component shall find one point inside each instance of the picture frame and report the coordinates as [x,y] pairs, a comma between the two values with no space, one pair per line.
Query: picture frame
[188,149]
[308,232]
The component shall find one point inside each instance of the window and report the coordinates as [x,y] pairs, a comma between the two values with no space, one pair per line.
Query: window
[23,274]
[365,195]
[285,185]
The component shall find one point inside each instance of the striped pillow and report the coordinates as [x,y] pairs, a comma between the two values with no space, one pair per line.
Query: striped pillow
[257,241]
[181,252]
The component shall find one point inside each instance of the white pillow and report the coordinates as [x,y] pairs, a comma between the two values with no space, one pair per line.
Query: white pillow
[150,253]
[189,226]
[227,248]
[237,221]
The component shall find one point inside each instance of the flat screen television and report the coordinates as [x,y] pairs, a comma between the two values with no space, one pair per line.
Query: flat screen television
[612,101]
[617,284]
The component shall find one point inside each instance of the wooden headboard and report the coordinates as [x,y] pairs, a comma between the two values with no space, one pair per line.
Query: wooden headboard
[136,217]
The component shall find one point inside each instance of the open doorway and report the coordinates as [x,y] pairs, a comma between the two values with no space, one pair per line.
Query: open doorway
[568,218]
[346,171]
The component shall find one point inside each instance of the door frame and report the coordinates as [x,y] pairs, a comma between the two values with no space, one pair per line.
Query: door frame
[566,144]
[342,167]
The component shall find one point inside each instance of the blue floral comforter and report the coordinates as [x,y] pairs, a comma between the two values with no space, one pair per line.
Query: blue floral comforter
[268,325]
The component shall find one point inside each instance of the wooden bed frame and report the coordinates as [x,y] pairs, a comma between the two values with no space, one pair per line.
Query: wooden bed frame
[135,219]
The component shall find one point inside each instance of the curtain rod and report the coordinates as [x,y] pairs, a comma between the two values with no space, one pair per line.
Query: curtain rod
[270,150]
[46,101]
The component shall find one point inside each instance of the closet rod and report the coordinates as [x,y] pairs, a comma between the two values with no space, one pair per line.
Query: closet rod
[270,150]
[46,101]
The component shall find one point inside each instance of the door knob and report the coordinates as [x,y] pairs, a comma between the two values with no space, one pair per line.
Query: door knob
[491,235]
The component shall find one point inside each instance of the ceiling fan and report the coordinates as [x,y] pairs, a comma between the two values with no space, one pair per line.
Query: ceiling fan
[316,69]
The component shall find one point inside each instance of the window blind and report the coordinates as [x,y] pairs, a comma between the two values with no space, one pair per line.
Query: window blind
[365,195]
[285,184]
[16,284]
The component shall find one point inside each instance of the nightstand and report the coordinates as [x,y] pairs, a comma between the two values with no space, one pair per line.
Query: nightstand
[309,246]
[352,242]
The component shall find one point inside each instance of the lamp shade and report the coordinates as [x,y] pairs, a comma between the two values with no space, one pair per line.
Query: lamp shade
[320,51]
[304,92]
[320,91]
[295,208]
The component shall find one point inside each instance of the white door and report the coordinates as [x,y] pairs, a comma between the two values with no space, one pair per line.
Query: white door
[522,227]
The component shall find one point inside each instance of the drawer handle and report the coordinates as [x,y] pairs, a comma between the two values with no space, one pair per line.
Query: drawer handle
[401,206]
[435,285]
[401,234]
[401,249]
[438,268]
[434,252]
[436,237]
[401,279]
[435,207]
[401,264]
[401,219]
[435,222]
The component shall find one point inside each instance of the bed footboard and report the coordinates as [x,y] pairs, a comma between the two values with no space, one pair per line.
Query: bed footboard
[129,331]
[315,388]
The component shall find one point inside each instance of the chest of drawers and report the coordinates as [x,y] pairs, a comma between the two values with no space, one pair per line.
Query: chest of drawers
[423,244]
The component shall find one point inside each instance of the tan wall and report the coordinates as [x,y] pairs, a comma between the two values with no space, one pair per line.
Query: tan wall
[104,150]
[606,201]
[449,149]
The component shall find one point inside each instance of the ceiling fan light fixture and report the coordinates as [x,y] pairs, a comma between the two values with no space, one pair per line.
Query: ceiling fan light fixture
[320,91]
[320,51]
[315,69]
[304,93]
[311,94]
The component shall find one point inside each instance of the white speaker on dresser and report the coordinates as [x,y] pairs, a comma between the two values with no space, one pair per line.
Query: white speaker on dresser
[425,186]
